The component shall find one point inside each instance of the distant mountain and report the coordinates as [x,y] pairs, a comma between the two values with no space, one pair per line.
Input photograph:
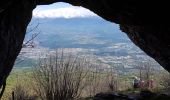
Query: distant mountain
[87,36]
[90,32]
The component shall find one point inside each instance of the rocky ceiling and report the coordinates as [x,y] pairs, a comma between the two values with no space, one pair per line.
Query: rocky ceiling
[146,24]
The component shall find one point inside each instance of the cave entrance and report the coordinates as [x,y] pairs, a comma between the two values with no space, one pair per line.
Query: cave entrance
[80,31]
[62,25]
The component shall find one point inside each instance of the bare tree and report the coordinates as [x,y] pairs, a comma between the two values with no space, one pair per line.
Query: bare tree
[94,81]
[112,80]
[31,30]
[165,81]
[19,93]
[60,76]
[146,71]
[101,79]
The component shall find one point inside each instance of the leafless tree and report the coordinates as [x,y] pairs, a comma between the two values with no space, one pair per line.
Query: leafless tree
[101,80]
[146,71]
[60,76]
[19,93]
[31,30]
[112,80]
[94,80]
[165,81]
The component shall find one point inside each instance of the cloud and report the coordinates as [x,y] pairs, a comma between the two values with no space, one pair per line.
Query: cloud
[66,12]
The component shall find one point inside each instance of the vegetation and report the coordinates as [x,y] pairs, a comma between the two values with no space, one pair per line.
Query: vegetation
[62,76]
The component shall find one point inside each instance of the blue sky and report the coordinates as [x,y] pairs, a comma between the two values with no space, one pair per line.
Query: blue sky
[61,10]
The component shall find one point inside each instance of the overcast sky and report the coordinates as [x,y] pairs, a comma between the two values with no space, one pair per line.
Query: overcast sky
[61,10]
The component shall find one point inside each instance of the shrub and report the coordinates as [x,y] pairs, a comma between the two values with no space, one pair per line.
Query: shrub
[60,76]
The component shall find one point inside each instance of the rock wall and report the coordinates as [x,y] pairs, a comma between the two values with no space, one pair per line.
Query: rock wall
[14,18]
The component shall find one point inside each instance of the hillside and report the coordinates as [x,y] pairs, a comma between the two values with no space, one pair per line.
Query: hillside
[86,36]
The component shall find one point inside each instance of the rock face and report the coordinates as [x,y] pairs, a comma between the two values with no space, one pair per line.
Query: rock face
[146,24]
[14,18]
[143,95]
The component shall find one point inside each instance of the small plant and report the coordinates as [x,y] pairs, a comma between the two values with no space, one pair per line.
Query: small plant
[19,93]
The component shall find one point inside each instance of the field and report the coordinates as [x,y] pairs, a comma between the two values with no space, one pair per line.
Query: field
[20,80]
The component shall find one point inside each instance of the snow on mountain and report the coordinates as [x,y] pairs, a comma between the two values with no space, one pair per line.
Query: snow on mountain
[66,12]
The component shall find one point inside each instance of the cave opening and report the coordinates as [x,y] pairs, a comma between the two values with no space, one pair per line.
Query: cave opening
[80,31]
[62,25]
[150,37]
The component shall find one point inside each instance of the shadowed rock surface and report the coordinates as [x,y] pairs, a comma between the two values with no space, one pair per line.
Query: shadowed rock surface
[146,24]
[143,95]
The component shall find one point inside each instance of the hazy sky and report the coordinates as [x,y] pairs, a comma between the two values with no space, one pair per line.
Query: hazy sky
[61,10]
